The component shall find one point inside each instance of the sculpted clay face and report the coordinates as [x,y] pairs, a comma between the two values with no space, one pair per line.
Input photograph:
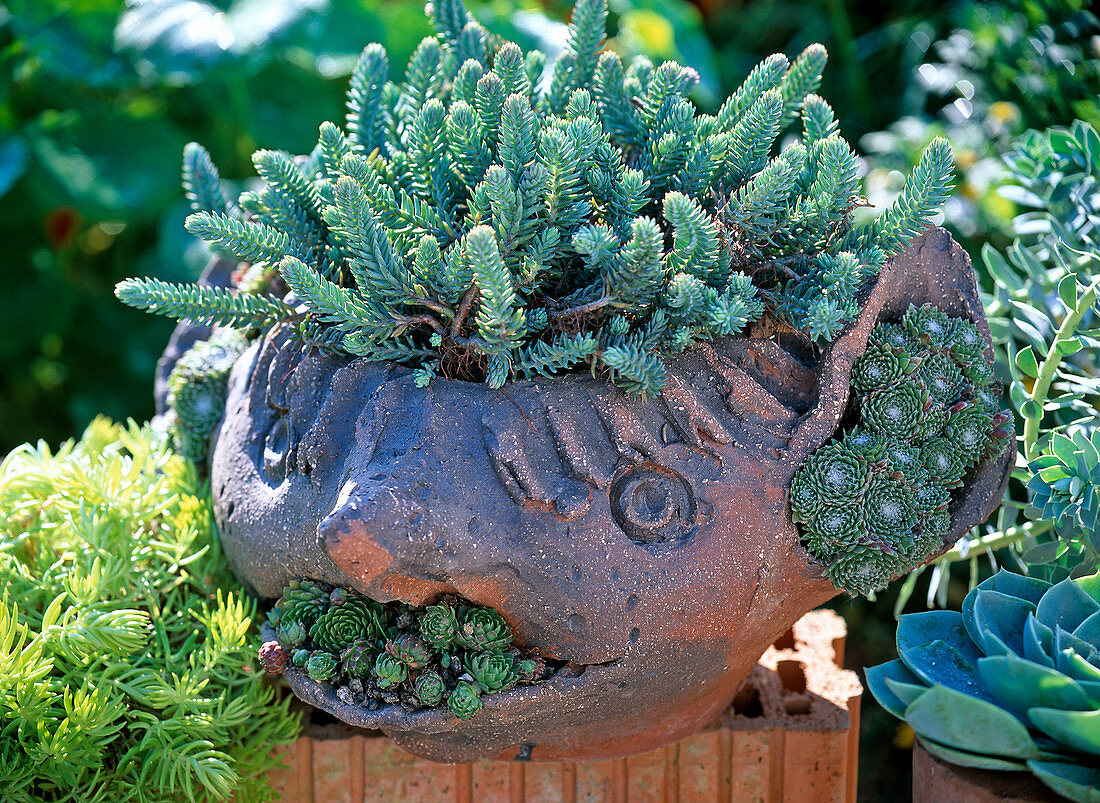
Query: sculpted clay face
[647,544]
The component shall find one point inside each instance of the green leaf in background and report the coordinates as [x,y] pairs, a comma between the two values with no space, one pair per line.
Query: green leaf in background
[13,161]
[1025,361]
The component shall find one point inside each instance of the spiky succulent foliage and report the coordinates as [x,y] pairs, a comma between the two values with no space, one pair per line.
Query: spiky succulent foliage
[474,222]
[302,601]
[873,503]
[358,658]
[291,634]
[409,650]
[321,665]
[273,657]
[438,626]
[1010,683]
[483,629]
[388,670]
[127,655]
[429,688]
[465,700]
[340,625]
[531,669]
[394,654]
[1065,483]
[493,671]
[197,391]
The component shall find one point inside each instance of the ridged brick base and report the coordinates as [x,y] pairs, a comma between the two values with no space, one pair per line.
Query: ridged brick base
[791,734]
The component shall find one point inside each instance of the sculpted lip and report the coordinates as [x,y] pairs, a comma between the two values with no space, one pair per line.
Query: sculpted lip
[564,680]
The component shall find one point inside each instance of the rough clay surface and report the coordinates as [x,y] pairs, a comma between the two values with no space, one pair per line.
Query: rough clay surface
[649,544]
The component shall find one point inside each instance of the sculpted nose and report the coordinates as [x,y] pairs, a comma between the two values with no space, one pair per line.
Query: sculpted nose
[371,535]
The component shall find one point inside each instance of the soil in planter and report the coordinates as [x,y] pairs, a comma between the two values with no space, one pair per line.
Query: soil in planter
[375,654]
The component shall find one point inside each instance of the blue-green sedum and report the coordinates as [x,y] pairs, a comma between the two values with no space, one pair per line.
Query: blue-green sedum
[490,217]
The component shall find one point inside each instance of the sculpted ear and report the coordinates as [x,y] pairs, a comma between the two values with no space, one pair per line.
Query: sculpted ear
[935,270]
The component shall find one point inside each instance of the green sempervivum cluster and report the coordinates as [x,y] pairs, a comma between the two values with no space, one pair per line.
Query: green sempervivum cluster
[489,216]
[128,663]
[302,603]
[873,503]
[1010,683]
[450,653]
[197,392]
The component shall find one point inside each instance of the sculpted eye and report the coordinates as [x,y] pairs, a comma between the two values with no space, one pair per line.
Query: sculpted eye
[653,504]
[276,447]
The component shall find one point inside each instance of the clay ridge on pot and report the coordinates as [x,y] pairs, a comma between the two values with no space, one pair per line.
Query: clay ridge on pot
[647,544]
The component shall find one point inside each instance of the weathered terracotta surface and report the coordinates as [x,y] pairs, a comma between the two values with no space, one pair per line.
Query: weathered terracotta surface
[649,544]
[792,734]
[935,781]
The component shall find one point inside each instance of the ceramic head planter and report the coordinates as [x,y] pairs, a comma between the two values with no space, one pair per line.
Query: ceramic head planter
[649,544]
[566,365]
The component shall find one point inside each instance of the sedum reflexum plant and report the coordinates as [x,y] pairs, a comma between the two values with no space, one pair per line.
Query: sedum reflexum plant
[127,666]
[489,216]
[1012,683]
[873,503]
[447,654]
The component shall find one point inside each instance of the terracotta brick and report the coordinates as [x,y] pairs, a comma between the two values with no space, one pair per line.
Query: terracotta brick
[554,783]
[284,780]
[700,763]
[493,781]
[599,781]
[393,774]
[791,734]
[645,776]
[338,765]
[751,764]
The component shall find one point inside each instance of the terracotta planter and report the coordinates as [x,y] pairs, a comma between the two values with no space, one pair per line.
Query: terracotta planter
[791,734]
[935,781]
[649,546]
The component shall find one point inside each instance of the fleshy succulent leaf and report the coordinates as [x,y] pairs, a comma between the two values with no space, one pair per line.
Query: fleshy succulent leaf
[965,758]
[995,620]
[1073,781]
[1019,684]
[877,677]
[1079,730]
[1066,605]
[955,719]
[935,647]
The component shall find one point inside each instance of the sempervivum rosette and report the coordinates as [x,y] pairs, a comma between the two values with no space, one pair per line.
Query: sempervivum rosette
[339,626]
[438,626]
[449,654]
[493,671]
[483,629]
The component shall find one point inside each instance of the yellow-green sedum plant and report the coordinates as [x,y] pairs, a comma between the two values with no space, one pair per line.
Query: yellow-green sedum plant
[488,216]
[127,654]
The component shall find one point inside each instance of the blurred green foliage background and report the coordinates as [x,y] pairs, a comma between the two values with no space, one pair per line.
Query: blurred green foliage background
[98,98]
